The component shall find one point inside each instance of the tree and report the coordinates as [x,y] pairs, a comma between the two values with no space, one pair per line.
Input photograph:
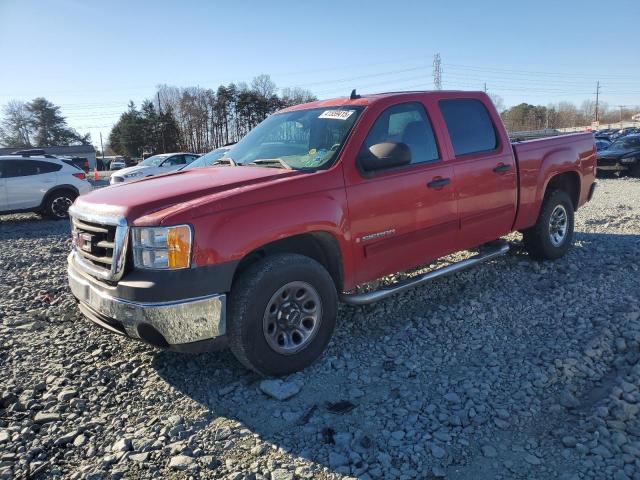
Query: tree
[264,86]
[15,129]
[49,126]
[296,96]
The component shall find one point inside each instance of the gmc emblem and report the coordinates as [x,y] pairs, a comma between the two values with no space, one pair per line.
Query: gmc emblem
[83,241]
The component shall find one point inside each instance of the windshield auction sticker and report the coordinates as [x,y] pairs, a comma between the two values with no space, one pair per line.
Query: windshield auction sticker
[336,114]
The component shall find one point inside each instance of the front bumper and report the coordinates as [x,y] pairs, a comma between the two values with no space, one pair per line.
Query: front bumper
[190,324]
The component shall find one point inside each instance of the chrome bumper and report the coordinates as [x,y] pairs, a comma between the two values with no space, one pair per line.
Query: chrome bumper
[179,322]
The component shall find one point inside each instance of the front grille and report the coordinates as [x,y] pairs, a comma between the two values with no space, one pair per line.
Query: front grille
[117,179]
[95,243]
[99,244]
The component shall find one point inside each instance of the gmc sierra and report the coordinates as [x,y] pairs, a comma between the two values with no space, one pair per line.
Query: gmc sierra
[255,251]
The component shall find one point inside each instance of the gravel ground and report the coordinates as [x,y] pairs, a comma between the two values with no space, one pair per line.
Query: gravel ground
[514,369]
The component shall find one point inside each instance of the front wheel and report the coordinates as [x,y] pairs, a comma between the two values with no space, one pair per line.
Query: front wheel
[551,236]
[282,311]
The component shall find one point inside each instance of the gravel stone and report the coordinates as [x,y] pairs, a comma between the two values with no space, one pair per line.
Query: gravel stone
[537,362]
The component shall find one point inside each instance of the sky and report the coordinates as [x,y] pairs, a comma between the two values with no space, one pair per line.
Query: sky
[92,57]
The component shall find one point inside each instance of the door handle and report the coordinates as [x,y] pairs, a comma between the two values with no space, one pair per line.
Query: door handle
[439,182]
[503,167]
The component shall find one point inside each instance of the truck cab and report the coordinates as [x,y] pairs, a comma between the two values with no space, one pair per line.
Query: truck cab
[255,251]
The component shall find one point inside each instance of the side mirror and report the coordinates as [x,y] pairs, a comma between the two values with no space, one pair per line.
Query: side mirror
[385,155]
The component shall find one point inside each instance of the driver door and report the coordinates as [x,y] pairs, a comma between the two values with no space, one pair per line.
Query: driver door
[403,217]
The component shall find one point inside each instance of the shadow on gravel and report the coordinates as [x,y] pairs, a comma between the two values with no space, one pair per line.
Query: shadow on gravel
[306,423]
[31,226]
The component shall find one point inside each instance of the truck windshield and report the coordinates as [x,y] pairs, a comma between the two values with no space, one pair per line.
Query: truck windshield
[209,159]
[300,139]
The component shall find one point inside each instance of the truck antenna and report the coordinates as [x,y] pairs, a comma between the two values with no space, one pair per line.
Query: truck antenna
[354,95]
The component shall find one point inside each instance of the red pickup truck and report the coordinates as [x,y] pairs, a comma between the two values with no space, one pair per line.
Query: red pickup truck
[255,251]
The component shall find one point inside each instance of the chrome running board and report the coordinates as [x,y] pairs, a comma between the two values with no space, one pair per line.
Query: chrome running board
[493,250]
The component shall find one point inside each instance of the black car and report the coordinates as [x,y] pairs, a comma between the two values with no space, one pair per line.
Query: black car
[623,155]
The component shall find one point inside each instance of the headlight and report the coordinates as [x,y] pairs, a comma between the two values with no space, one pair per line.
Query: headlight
[631,159]
[133,174]
[162,248]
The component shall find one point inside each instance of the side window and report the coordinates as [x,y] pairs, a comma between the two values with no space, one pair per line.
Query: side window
[407,123]
[190,158]
[469,124]
[45,167]
[175,160]
[24,168]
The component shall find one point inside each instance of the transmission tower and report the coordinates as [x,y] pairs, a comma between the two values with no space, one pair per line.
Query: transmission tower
[437,72]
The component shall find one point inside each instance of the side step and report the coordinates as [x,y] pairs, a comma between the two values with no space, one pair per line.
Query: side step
[492,250]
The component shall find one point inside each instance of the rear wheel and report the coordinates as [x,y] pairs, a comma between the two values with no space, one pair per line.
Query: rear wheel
[282,312]
[57,204]
[551,236]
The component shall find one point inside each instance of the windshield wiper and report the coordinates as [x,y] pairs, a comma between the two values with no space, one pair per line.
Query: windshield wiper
[271,162]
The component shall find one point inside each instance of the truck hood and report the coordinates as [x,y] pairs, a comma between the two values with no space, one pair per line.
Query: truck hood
[135,199]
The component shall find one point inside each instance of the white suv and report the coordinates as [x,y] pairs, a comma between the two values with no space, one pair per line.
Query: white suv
[40,183]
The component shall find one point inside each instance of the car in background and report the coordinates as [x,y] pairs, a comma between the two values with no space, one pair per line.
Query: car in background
[623,155]
[40,183]
[117,164]
[602,143]
[156,165]
[208,159]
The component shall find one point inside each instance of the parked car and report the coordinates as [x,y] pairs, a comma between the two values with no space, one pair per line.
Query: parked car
[117,164]
[602,144]
[156,165]
[623,155]
[42,184]
[208,159]
[316,200]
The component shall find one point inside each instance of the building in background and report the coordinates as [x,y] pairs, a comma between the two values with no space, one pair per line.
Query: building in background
[84,152]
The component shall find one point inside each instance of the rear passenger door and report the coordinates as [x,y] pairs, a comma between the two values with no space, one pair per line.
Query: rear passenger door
[485,171]
[28,181]
[402,217]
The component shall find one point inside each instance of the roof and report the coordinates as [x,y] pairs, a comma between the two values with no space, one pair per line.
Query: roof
[364,100]
[58,150]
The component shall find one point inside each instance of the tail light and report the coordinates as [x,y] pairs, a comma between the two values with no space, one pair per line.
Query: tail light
[80,176]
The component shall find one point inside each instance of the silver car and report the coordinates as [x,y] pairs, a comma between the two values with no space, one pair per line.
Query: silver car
[156,165]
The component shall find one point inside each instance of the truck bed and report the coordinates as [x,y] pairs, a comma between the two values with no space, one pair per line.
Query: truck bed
[544,157]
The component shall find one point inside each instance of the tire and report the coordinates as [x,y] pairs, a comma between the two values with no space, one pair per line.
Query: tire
[545,240]
[265,333]
[57,204]
[634,170]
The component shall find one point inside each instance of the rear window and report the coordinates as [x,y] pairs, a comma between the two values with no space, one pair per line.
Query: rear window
[470,127]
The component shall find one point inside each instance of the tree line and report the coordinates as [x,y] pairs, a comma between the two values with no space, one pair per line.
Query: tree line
[37,123]
[198,119]
[562,115]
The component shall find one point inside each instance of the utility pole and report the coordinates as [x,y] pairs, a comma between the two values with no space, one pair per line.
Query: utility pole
[621,107]
[485,87]
[437,72]
[597,97]
[164,148]
[102,150]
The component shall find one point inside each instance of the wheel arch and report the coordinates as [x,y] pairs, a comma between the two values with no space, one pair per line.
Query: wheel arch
[568,182]
[321,246]
[58,188]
